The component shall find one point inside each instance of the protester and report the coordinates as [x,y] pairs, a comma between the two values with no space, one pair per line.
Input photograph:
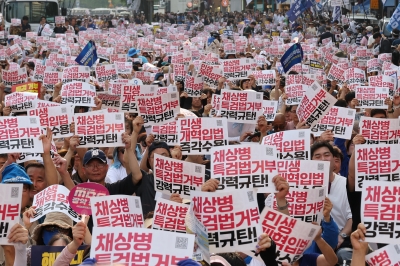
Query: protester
[270,137]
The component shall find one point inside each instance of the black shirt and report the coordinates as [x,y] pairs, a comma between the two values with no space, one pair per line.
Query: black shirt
[326,35]
[25,27]
[145,190]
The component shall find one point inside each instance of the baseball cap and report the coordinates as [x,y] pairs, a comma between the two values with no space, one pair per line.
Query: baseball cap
[14,173]
[94,154]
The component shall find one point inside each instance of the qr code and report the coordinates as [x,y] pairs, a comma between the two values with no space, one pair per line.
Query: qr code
[269,151]
[321,193]
[350,112]
[181,242]
[219,123]
[87,69]
[197,169]
[152,88]
[250,196]
[173,96]
[301,134]
[314,87]
[396,247]
[118,116]
[320,167]
[15,192]
[137,204]
[247,61]
[63,110]
[311,232]
[32,120]
[258,96]
[384,90]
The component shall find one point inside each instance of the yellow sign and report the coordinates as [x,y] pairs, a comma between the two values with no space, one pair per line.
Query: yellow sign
[27,87]
[275,33]
[374,4]
[155,28]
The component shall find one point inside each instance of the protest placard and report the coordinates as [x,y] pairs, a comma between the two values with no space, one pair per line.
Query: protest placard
[388,255]
[199,135]
[354,76]
[384,81]
[385,57]
[211,74]
[33,87]
[76,73]
[166,133]
[117,211]
[194,226]
[159,109]
[47,255]
[118,58]
[123,67]
[290,144]
[59,119]
[372,97]
[20,101]
[10,206]
[379,204]
[129,93]
[338,120]
[374,65]
[291,236]
[314,105]
[336,73]
[179,72]
[110,101]
[231,218]
[78,93]
[306,205]
[170,216]
[99,129]
[14,77]
[241,106]
[50,79]
[53,199]
[106,72]
[380,131]
[79,197]
[32,156]
[237,68]
[376,162]
[265,77]
[269,109]
[173,176]
[140,246]
[193,86]
[295,93]
[238,167]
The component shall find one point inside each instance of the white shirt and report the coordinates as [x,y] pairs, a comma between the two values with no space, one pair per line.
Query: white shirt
[341,211]
[114,174]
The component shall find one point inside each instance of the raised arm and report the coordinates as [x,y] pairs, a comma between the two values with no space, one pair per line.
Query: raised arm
[130,147]
[50,170]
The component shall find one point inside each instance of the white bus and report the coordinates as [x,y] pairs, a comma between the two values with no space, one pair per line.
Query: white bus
[79,11]
[33,9]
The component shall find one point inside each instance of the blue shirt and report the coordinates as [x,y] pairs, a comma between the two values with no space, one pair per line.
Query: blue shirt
[82,28]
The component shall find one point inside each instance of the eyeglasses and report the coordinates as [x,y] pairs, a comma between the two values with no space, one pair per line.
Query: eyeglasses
[93,166]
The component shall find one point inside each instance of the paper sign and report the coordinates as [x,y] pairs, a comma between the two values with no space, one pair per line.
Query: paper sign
[53,199]
[46,255]
[336,73]
[211,74]
[290,144]
[129,93]
[314,105]
[295,94]
[378,211]
[77,93]
[110,101]
[79,197]
[388,255]
[170,216]
[158,109]
[166,133]
[384,81]
[354,76]
[270,108]
[153,247]
[265,77]
[76,73]
[241,106]
[59,119]
[237,68]
[376,162]
[20,101]
[193,86]
[14,77]
[117,211]
[194,226]
[338,120]
[222,215]
[106,72]
[378,130]
[199,135]
[372,97]
[33,87]
[10,204]
[306,205]
[99,130]
[60,20]
[244,166]
[291,236]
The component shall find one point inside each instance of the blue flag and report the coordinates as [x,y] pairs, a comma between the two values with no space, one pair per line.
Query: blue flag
[297,8]
[88,56]
[293,56]
[394,22]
